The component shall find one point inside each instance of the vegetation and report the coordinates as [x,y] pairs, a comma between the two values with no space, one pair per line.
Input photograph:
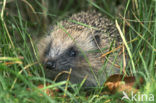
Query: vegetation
[22,21]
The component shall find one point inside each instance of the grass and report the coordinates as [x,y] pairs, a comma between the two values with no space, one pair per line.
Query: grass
[22,21]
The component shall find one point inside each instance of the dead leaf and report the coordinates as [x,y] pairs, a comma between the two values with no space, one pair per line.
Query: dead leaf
[49,91]
[118,83]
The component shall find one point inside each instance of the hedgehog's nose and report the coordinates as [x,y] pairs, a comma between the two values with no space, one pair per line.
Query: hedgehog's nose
[51,65]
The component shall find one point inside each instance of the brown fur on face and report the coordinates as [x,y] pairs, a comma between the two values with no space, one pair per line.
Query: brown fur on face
[69,43]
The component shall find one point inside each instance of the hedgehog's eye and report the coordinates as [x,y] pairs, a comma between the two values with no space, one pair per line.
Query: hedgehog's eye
[72,52]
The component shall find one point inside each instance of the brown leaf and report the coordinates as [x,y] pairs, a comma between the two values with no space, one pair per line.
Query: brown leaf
[118,83]
[49,91]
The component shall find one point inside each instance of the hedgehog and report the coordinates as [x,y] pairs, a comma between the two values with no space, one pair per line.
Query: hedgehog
[77,43]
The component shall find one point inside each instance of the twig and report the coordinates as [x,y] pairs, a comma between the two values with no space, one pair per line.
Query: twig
[69,73]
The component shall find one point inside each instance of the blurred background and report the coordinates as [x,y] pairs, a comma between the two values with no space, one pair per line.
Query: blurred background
[39,14]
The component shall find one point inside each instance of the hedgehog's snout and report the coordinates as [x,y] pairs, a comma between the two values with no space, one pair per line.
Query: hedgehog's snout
[50,64]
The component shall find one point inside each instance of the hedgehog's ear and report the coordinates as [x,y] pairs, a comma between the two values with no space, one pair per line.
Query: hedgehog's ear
[97,38]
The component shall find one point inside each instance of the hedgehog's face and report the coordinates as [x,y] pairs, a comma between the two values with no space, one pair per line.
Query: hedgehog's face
[57,60]
[62,52]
